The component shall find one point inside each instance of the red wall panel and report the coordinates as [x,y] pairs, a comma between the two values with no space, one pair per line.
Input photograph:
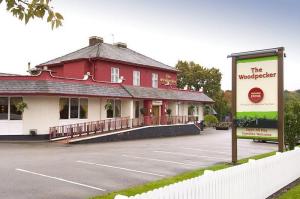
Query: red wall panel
[77,69]
[103,73]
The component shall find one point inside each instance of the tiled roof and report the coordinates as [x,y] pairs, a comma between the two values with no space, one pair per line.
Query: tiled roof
[64,88]
[97,89]
[111,52]
[156,93]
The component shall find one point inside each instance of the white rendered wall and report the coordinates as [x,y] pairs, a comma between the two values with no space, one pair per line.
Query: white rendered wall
[201,112]
[11,127]
[127,108]
[42,113]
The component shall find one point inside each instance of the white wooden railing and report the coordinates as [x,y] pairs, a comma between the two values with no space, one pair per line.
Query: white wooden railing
[257,179]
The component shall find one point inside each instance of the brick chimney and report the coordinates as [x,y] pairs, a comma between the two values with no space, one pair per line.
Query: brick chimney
[93,40]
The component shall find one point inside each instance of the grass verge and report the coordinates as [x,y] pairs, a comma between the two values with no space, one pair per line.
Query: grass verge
[293,193]
[170,180]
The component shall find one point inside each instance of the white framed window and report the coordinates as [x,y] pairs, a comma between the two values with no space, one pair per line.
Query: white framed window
[154,80]
[114,108]
[73,108]
[114,75]
[8,108]
[136,78]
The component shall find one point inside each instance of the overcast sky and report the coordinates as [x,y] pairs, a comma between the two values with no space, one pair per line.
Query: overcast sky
[201,31]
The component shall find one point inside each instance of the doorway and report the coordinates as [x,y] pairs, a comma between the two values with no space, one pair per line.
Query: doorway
[155,118]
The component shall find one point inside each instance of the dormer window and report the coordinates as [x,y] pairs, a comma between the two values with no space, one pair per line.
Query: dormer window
[136,78]
[154,80]
[114,75]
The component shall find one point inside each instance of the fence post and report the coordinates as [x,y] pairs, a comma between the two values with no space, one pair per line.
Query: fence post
[121,197]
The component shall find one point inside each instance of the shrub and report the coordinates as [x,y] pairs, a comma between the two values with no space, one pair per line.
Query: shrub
[292,124]
[210,120]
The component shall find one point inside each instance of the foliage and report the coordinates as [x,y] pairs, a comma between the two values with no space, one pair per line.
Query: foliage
[169,111]
[191,109]
[210,120]
[293,193]
[108,106]
[207,109]
[292,123]
[221,105]
[197,77]
[174,179]
[25,10]
[21,106]
[142,111]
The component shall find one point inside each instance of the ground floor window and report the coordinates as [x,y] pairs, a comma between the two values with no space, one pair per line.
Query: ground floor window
[8,108]
[137,109]
[191,109]
[73,108]
[113,108]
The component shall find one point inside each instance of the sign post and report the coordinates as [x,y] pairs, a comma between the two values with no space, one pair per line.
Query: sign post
[257,97]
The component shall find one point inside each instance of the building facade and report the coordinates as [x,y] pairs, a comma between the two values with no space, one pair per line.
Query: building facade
[98,82]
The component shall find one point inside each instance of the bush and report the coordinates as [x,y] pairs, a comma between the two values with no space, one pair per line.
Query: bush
[210,120]
[292,124]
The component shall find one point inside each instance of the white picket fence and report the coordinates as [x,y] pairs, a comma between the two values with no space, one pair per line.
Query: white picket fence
[257,179]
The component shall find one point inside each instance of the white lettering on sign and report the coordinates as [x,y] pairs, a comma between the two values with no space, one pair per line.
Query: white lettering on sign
[157,102]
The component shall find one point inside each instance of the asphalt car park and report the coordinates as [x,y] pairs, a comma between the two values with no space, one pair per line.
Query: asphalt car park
[54,170]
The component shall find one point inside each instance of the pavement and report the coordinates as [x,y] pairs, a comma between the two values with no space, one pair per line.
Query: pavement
[54,170]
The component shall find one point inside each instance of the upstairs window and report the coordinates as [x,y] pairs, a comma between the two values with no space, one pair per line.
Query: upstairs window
[114,75]
[136,78]
[8,108]
[73,108]
[154,80]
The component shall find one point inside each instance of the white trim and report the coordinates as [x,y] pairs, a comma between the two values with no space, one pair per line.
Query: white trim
[115,74]
[8,108]
[136,79]
[154,80]
[69,106]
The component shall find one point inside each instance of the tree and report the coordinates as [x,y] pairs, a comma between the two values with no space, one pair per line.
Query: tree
[197,77]
[26,10]
[221,106]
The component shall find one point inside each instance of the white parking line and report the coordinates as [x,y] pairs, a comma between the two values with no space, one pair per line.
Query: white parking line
[121,168]
[190,155]
[159,160]
[60,179]
[196,149]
